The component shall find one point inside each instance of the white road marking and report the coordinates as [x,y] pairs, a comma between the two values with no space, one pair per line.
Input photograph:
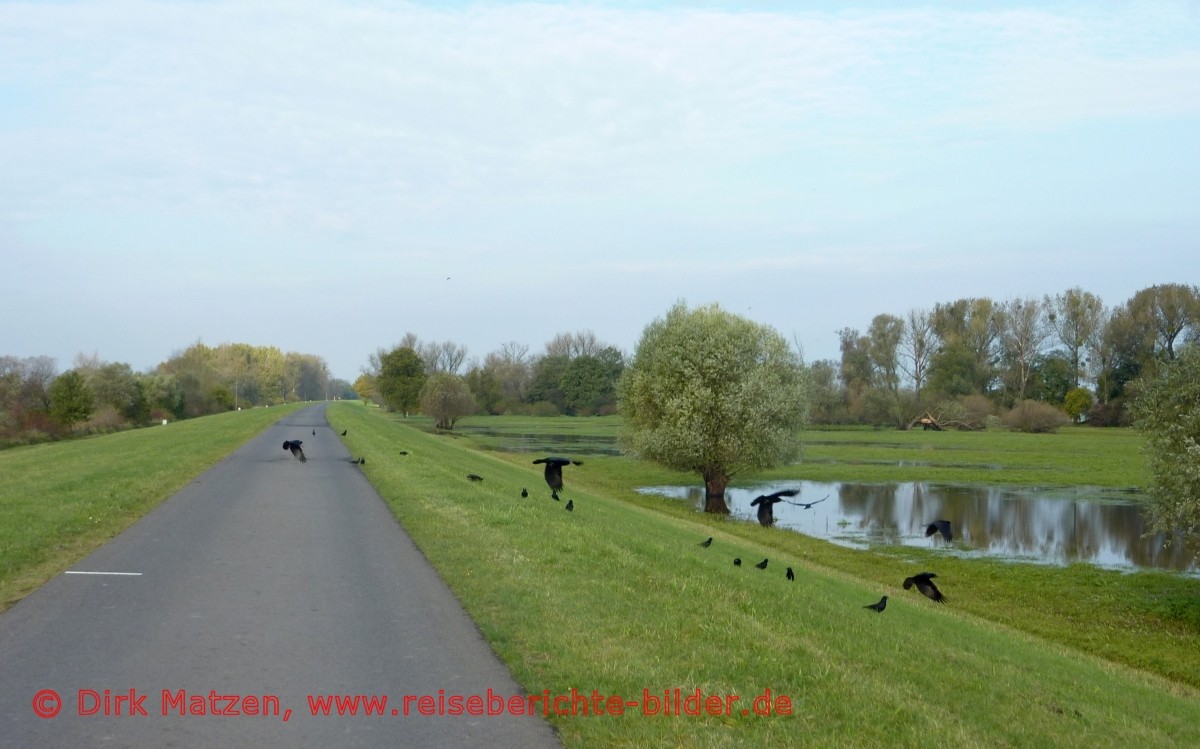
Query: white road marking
[88,572]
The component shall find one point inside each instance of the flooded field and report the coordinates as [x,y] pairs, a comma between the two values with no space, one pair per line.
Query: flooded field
[1054,526]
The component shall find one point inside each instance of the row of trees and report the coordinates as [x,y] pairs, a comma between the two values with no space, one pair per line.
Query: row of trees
[577,374]
[1068,350]
[37,402]
[1030,360]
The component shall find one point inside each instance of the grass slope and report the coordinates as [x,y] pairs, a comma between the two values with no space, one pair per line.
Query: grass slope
[59,501]
[617,597]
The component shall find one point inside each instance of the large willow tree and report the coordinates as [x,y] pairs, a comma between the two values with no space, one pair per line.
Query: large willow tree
[712,393]
[1167,409]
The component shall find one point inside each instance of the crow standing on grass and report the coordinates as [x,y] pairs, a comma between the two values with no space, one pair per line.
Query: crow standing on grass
[762,565]
[554,468]
[706,543]
[294,446]
[766,505]
[790,575]
[877,606]
[925,585]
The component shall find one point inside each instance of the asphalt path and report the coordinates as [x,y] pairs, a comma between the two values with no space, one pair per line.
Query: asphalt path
[263,582]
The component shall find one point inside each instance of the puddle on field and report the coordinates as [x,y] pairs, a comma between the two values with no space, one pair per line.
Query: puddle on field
[1054,526]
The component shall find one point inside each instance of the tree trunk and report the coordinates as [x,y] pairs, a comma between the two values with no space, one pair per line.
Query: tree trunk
[714,493]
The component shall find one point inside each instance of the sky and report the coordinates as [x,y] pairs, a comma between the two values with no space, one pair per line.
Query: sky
[326,176]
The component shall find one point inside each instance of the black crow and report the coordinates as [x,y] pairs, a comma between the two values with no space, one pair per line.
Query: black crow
[357,461]
[762,565]
[940,526]
[877,606]
[314,432]
[403,452]
[474,477]
[554,468]
[737,561]
[294,446]
[707,543]
[925,584]
[344,432]
[570,505]
[766,505]
[524,492]
[791,575]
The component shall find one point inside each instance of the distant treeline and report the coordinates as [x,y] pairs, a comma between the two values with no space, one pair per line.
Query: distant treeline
[1031,363]
[38,403]
[1028,362]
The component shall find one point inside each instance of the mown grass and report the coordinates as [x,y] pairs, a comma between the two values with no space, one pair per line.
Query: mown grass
[59,501]
[618,597]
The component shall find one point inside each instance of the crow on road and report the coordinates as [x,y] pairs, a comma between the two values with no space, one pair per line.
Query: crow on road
[294,446]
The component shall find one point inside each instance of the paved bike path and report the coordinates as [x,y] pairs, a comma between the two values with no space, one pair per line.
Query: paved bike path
[262,582]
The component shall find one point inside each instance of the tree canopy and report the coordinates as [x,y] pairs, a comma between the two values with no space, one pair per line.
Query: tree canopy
[710,392]
[1167,410]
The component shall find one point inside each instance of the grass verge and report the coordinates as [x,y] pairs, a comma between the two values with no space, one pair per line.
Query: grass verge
[618,597]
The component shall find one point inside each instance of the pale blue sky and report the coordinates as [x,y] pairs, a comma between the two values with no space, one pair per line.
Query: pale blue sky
[326,176]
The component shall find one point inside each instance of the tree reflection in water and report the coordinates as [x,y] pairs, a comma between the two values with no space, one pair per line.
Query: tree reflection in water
[1058,526]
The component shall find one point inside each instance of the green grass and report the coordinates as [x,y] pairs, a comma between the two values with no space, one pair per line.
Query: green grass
[59,501]
[617,597]
[1073,456]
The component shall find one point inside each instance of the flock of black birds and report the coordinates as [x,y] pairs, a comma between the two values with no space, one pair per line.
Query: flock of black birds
[766,516]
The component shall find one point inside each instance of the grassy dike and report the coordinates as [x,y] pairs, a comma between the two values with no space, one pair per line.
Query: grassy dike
[59,501]
[617,597]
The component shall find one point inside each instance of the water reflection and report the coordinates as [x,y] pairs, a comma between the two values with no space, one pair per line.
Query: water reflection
[1057,526]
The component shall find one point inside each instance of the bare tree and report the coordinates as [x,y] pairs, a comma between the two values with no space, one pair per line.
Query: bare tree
[1023,332]
[1075,316]
[917,347]
[572,345]
[446,356]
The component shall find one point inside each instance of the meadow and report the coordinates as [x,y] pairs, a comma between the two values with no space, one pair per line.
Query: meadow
[618,597]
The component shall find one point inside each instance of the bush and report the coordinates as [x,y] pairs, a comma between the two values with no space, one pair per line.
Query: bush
[1077,402]
[1110,414]
[1034,417]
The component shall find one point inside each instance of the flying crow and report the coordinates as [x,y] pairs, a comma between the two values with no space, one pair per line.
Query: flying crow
[766,505]
[940,526]
[808,505]
[554,468]
[925,584]
[877,606]
[294,446]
